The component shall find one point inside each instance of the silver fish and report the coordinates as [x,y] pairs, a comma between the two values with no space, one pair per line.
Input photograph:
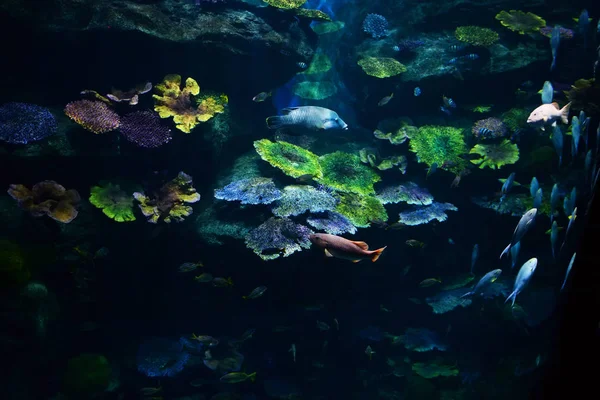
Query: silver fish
[522,279]
[508,183]
[484,282]
[533,188]
[568,271]
[554,43]
[547,93]
[523,226]
[537,200]
[308,118]
[553,237]
[549,114]
[474,256]
[514,255]
[557,141]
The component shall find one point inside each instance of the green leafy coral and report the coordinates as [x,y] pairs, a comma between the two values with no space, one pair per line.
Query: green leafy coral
[396,130]
[495,155]
[345,172]
[434,370]
[442,145]
[361,210]
[291,159]
[320,63]
[315,90]
[381,67]
[285,4]
[515,118]
[317,15]
[114,202]
[476,35]
[521,22]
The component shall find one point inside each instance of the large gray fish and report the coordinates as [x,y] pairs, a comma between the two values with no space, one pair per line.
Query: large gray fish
[522,279]
[310,118]
[522,227]
[484,282]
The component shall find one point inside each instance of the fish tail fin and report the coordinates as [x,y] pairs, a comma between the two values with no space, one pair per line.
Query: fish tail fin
[275,122]
[564,113]
[512,296]
[467,294]
[553,64]
[376,253]
[505,251]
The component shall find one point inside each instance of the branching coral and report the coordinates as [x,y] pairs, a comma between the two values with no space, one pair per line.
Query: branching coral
[361,210]
[426,214]
[442,145]
[409,193]
[495,156]
[344,172]
[315,90]
[47,198]
[169,202]
[95,116]
[332,223]
[114,202]
[518,21]
[297,199]
[173,101]
[250,191]
[278,237]
[144,129]
[476,35]
[22,123]
[291,159]
[397,130]
[433,370]
[381,67]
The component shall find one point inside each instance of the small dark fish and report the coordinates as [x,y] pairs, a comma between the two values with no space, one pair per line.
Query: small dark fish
[385,100]
[448,102]
[472,56]
[305,178]
[429,282]
[457,47]
[431,170]
[396,226]
[414,243]
[222,282]
[150,391]
[301,65]
[417,91]
[262,96]
[453,60]
[445,110]
[256,293]
[485,132]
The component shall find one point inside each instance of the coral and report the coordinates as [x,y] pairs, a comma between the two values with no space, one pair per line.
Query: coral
[47,198]
[314,90]
[95,116]
[489,128]
[361,210]
[344,172]
[212,229]
[381,67]
[408,192]
[144,129]
[291,159]
[173,101]
[168,203]
[320,64]
[114,202]
[448,300]
[516,118]
[87,374]
[397,130]
[375,25]
[22,123]
[426,214]
[409,44]
[518,21]
[312,14]
[481,109]
[495,156]
[585,95]
[371,157]
[433,370]
[476,35]
[422,339]
[285,4]
[327,27]
[457,281]
[131,96]
[297,199]
[442,145]
[278,237]
[565,33]
[14,269]
[250,191]
[158,357]
[332,223]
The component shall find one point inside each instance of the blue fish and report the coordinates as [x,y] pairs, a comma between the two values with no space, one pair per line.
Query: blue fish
[514,254]
[572,219]
[396,48]
[445,110]
[485,132]
[417,91]
[474,256]
[537,200]
[522,279]
[547,92]
[472,56]
[302,64]
[576,134]
[554,43]
[448,102]
[484,282]
[523,226]
[568,271]
[584,24]
[453,60]
[535,185]
[557,141]
[457,47]
[553,237]
[554,198]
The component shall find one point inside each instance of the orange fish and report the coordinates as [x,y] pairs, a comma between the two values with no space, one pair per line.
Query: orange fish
[336,246]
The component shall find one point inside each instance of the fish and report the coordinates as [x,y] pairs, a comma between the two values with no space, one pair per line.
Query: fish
[451,241]
[310,118]
[575,134]
[337,324]
[472,56]
[431,170]
[549,114]
[301,64]
[583,25]
[237,377]
[553,237]
[474,256]
[203,278]
[369,352]
[457,47]
[396,48]
[572,219]
[557,141]
[205,339]
[448,102]
[514,255]
[337,246]
[568,271]
[322,326]
[385,100]
[537,200]
[256,293]
[414,243]
[222,282]
[445,110]
[248,334]
[293,351]
[484,283]
[262,96]
[429,282]
[535,185]
[522,279]
[485,132]
[554,198]
[417,91]
[523,226]
[554,43]
[453,60]
[189,266]
[150,391]
[508,184]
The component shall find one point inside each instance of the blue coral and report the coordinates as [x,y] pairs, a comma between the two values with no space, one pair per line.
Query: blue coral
[408,192]
[448,300]
[332,223]
[422,339]
[250,191]
[158,357]
[21,123]
[376,25]
[297,199]
[278,237]
[426,214]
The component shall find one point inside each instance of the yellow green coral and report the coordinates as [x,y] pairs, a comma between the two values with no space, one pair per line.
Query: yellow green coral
[327,27]
[476,35]
[521,22]
[345,172]
[381,67]
[285,4]
[114,202]
[291,159]
[495,155]
[361,210]
[442,145]
[320,63]
[315,90]
[312,14]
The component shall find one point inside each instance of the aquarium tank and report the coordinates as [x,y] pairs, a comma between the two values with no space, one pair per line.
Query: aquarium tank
[299,199]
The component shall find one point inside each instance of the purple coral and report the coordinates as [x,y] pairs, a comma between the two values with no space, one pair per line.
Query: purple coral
[332,223]
[21,123]
[250,191]
[489,128]
[161,357]
[565,33]
[278,237]
[145,129]
[376,25]
[409,192]
[426,214]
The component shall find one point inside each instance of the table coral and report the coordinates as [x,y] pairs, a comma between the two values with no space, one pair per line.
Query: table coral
[298,199]
[323,28]
[495,156]
[314,90]
[426,214]
[361,210]
[332,223]
[114,202]
[520,22]
[422,340]
[22,123]
[317,15]
[345,172]
[144,129]
[408,192]
[381,67]
[291,159]
[95,116]
[434,370]
[442,145]
[476,35]
[278,237]
[285,4]
[250,191]
[47,198]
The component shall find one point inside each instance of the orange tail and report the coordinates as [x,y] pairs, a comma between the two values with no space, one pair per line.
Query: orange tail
[376,253]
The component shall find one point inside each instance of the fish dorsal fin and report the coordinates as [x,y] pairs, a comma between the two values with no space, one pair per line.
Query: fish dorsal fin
[362,245]
[555,104]
[328,254]
[288,110]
